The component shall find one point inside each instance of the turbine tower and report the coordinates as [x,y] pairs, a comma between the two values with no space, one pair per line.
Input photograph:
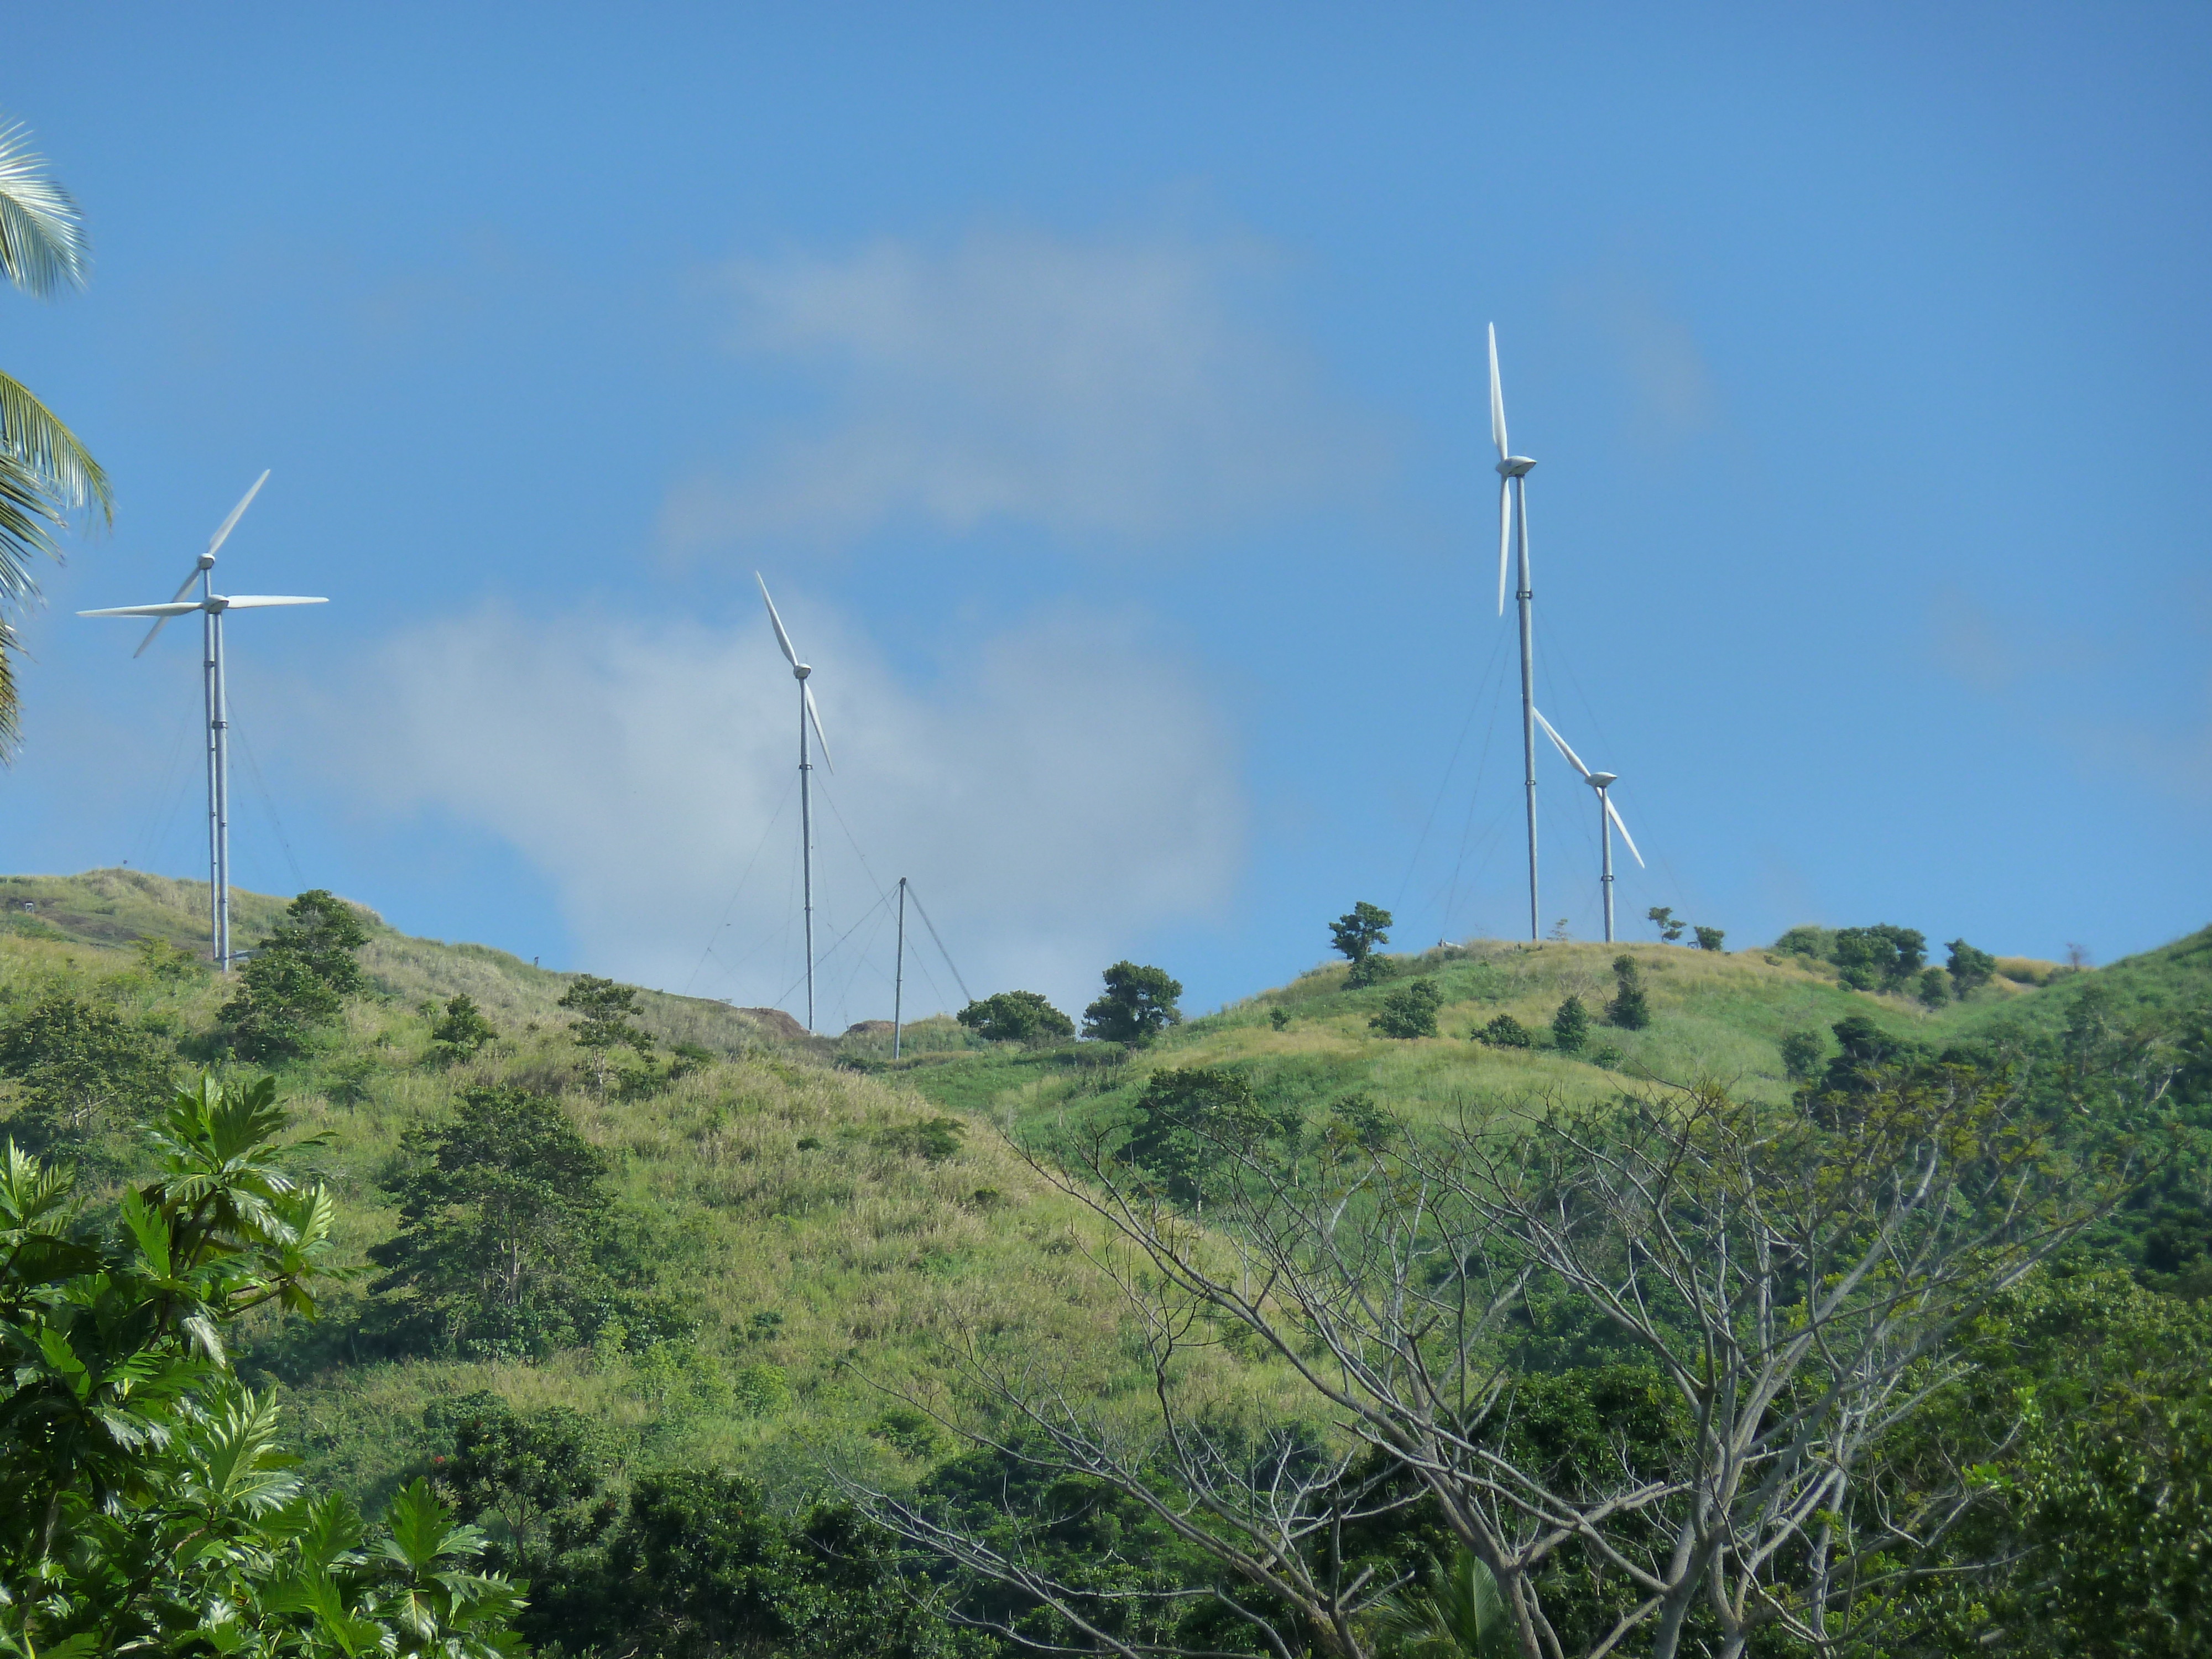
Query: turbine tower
[799,670]
[211,605]
[1608,817]
[1512,508]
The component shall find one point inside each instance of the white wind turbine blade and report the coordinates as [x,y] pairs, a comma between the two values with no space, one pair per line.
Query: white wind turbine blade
[1504,535]
[1613,812]
[175,608]
[236,513]
[1573,758]
[186,588]
[815,714]
[255,601]
[781,638]
[1497,398]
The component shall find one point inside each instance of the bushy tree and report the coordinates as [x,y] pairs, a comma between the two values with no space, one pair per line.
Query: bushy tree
[463,1029]
[1410,1011]
[298,978]
[1933,987]
[1355,934]
[507,1242]
[1138,1003]
[1016,1016]
[537,1475]
[1630,1008]
[1187,1116]
[1505,1032]
[1881,957]
[1865,1052]
[1661,916]
[1710,939]
[147,1503]
[605,1012]
[1802,1053]
[82,1072]
[1970,969]
[1571,1026]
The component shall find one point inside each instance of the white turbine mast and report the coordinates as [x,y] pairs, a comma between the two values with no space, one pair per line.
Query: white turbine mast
[1608,817]
[1512,507]
[807,714]
[212,606]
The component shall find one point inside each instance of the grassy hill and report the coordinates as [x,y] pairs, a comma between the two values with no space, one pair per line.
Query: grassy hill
[1715,1015]
[831,1225]
[831,1216]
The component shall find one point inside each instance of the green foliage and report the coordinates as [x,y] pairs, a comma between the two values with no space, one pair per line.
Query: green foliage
[536,1476]
[507,1243]
[605,1012]
[1279,1018]
[935,1138]
[1865,1052]
[1818,943]
[1709,938]
[1410,1011]
[1139,1003]
[700,1566]
[1630,1008]
[1192,1121]
[1457,1614]
[1933,987]
[462,1031]
[1970,969]
[1802,1056]
[146,1502]
[297,980]
[1504,1032]
[1881,957]
[1361,1120]
[1571,1026]
[1016,1016]
[908,1432]
[1355,934]
[158,959]
[1371,969]
[1661,916]
[81,1073]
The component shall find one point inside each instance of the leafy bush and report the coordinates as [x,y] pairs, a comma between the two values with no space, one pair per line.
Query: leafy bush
[935,1138]
[1933,987]
[604,1011]
[1410,1011]
[1710,939]
[1881,957]
[297,980]
[1802,1053]
[83,1072]
[463,1031]
[1355,934]
[1016,1016]
[1191,1120]
[1504,1032]
[1969,969]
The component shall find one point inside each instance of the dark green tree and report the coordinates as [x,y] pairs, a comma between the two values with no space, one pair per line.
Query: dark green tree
[462,1031]
[1630,1008]
[506,1243]
[605,1012]
[1505,1032]
[1410,1011]
[1866,1054]
[1016,1016]
[1709,938]
[537,1476]
[83,1073]
[1933,987]
[1355,934]
[1571,1026]
[1970,969]
[1881,957]
[1802,1053]
[1139,1003]
[1187,1120]
[297,979]
[1661,916]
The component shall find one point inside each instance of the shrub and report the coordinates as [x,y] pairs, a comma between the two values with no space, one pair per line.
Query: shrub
[1504,1032]
[1571,1026]
[1016,1016]
[1190,1119]
[1630,1010]
[906,1431]
[462,1031]
[1279,1018]
[1802,1053]
[297,980]
[1934,987]
[1410,1011]
[84,1072]
[1969,969]
[1138,1003]
[935,1138]
[1355,934]
[1709,938]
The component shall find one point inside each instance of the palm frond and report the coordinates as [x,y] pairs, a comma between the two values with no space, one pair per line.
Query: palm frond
[41,236]
[35,438]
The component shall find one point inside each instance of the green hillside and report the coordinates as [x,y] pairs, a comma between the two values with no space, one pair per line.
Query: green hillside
[1719,1016]
[817,1228]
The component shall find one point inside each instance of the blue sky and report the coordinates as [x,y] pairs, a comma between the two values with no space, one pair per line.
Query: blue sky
[1101,392]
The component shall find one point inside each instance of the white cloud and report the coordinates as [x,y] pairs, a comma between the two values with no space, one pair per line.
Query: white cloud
[1054,801]
[1090,388]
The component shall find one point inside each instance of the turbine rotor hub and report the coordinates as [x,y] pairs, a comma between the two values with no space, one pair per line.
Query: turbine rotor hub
[799,670]
[1515,466]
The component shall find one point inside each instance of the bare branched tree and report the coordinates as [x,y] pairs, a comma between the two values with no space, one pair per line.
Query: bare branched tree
[1786,1281]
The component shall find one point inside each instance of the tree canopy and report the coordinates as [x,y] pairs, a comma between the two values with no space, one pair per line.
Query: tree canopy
[1138,1003]
[1016,1016]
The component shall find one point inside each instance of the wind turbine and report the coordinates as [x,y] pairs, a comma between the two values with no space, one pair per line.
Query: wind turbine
[1512,507]
[211,605]
[807,712]
[1608,817]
